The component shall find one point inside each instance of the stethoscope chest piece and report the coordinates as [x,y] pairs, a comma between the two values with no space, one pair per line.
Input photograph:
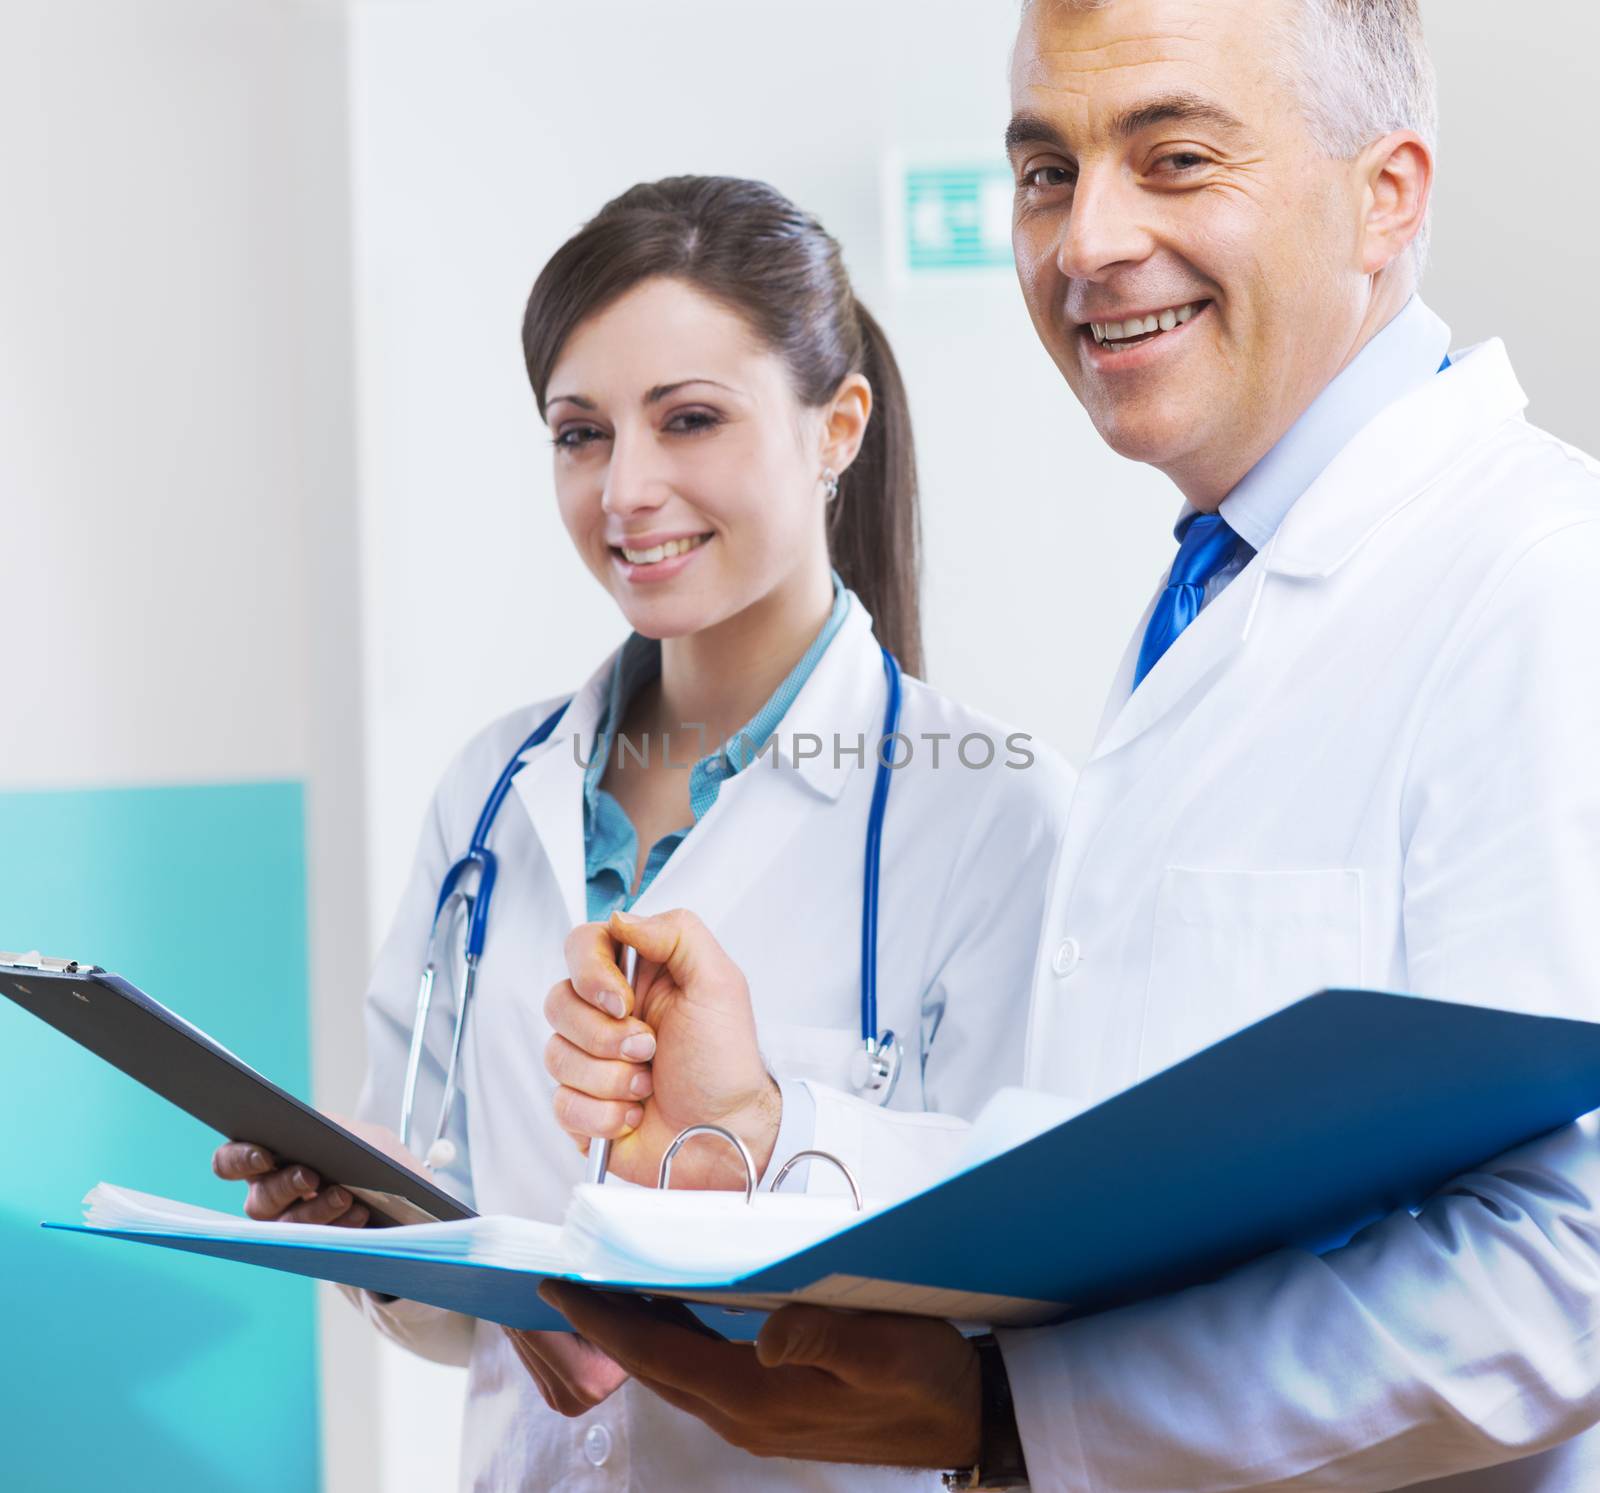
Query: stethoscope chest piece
[441,1154]
[875,1068]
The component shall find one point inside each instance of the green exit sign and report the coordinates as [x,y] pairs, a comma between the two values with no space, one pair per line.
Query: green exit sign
[954,217]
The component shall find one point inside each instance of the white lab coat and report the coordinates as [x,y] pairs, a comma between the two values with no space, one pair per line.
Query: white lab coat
[775,868]
[1371,762]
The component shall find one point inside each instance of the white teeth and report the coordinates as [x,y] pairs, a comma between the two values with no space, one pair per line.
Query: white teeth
[662,551]
[1142,326]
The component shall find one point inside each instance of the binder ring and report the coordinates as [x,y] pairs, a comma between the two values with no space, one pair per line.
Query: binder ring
[727,1135]
[828,1156]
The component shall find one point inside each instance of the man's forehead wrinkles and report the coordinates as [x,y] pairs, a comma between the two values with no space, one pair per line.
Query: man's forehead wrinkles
[1100,68]
[1063,89]
[1106,58]
[1155,40]
[1044,68]
[1041,88]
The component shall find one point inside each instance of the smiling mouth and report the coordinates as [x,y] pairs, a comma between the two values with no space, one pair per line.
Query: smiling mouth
[659,552]
[1119,336]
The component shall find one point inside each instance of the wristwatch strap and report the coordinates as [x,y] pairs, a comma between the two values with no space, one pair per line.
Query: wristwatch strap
[1000,1460]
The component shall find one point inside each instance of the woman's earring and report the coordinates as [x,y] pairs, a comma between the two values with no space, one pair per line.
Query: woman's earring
[830,483]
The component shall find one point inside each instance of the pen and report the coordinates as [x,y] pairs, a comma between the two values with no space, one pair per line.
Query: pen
[600,1150]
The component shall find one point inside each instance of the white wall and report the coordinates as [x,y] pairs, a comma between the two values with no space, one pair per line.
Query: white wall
[150,315]
[1517,212]
[177,459]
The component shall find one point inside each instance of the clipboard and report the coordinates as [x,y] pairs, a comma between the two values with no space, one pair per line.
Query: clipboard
[175,1059]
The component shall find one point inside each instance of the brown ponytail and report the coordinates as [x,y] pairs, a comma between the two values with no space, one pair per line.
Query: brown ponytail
[746,244]
[874,528]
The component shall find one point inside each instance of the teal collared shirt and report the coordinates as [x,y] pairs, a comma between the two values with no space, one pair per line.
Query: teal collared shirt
[610,842]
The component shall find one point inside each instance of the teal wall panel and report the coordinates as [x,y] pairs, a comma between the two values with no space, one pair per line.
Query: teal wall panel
[127,1367]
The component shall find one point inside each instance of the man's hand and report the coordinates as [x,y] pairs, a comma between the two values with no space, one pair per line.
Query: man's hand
[819,1385]
[573,1375]
[683,1052]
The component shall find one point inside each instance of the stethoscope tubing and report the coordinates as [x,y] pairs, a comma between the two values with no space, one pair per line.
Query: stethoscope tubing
[874,852]
[480,858]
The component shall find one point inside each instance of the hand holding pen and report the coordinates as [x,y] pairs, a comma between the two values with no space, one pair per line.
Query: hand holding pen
[639,1061]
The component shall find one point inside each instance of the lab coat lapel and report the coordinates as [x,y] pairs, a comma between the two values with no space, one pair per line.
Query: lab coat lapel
[1200,650]
[1391,461]
[766,804]
[550,788]
[1122,682]
[1395,458]
[753,820]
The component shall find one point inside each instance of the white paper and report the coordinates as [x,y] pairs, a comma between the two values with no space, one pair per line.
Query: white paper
[611,1233]
[695,1235]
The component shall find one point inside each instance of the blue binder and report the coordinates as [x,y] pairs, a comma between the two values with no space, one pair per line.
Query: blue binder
[1295,1132]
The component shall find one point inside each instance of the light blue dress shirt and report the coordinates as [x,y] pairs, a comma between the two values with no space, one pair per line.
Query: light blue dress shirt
[610,841]
[1407,352]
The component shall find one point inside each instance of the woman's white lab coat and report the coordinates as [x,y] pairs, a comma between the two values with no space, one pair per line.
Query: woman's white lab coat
[1372,761]
[775,869]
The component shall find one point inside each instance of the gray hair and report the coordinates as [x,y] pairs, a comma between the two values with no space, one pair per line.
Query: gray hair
[1361,70]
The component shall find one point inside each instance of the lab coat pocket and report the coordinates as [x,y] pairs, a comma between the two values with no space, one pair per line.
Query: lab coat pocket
[824,1053]
[1231,947]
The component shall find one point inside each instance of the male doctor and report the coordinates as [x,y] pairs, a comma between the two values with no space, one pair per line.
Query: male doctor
[1352,743]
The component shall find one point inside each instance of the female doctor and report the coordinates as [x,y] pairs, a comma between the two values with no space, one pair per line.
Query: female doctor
[733,463]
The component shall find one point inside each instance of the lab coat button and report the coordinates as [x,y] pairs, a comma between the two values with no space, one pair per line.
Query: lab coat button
[597,1445]
[1066,958]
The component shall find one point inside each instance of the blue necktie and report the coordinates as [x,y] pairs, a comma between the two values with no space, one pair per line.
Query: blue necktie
[1207,545]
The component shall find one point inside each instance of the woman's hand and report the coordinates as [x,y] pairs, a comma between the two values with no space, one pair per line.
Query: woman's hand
[285,1193]
[571,1374]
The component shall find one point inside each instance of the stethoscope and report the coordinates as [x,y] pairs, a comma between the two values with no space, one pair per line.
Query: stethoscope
[468,889]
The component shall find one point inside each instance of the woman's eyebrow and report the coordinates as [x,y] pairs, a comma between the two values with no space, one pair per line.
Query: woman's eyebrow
[665,391]
[653,396]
